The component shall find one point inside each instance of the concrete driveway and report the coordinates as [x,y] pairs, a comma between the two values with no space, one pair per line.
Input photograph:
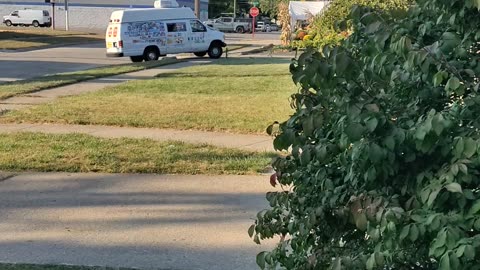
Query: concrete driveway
[145,221]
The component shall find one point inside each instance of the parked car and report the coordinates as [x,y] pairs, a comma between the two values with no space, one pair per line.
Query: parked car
[260,27]
[273,27]
[229,24]
[28,17]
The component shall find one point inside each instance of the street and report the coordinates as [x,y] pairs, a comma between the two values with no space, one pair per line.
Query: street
[24,65]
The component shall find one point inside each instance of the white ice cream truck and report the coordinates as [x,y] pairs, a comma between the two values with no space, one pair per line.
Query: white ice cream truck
[147,34]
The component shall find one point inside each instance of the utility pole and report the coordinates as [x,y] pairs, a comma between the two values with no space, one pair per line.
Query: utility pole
[66,15]
[234,9]
[197,8]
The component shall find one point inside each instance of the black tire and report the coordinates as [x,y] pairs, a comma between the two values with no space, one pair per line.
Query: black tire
[240,30]
[136,59]
[35,24]
[215,51]
[200,54]
[151,53]
[8,23]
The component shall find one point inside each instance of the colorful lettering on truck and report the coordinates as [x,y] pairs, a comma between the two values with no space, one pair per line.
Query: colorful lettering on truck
[147,34]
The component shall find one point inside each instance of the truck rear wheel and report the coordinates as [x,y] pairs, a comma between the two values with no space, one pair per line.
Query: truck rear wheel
[200,54]
[240,30]
[136,59]
[151,53]
[35,23]
[215,51]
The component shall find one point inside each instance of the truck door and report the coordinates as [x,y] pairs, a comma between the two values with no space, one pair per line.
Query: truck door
[177,37]
[228,24]
[198,40]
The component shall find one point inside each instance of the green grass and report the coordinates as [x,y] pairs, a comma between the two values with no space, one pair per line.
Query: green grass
[10,89]
[233,95]
[84,153]
[14,38]
[11,266]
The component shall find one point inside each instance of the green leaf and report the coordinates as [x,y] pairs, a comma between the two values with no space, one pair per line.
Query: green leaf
[251,230]
[390,143]
[379,259]
[475,208]
[413,233]
[470,147]
[438,78]
[361,221]
[453,83]
[432,197]
[371,262]
[371,123]
[342,61]
[438,124]
[354,131]
[469,252]
[459,147]
[404,233]
[454,187]
[444,262]
[372,27]
[375,153]
[261,259]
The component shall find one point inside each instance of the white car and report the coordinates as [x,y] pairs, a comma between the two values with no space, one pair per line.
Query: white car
[28,17]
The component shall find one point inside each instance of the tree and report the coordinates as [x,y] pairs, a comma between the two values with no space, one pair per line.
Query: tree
[384,170]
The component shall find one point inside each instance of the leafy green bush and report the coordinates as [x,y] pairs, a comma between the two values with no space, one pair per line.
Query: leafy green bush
[384,169]
[323,25]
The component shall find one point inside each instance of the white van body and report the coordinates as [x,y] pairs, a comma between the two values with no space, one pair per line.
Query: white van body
[28,17]
[147,34]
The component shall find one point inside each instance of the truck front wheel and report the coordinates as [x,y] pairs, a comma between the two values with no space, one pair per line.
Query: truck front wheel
[8,23]
[35,24]
[215,51]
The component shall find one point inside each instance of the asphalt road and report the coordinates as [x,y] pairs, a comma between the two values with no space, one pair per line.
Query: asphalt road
[145,221]
[24,65]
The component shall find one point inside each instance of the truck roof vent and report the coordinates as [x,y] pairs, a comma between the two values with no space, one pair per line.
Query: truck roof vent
[166,4]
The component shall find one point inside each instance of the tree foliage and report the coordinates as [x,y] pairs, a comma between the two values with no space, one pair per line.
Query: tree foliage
[384,169]
[324,29]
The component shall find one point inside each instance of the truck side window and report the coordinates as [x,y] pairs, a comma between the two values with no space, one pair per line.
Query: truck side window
[45,13]
[197,26]
[15,13]
[177,27]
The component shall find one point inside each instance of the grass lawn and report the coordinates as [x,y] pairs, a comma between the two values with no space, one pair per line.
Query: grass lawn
[237,95]
[9,266]
[84,153]
[9,89]
[14,38]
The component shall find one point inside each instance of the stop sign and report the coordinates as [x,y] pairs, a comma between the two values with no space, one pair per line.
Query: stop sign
[254,11]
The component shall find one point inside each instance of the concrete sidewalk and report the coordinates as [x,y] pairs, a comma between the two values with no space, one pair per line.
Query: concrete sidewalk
[144,221]
[258,143]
